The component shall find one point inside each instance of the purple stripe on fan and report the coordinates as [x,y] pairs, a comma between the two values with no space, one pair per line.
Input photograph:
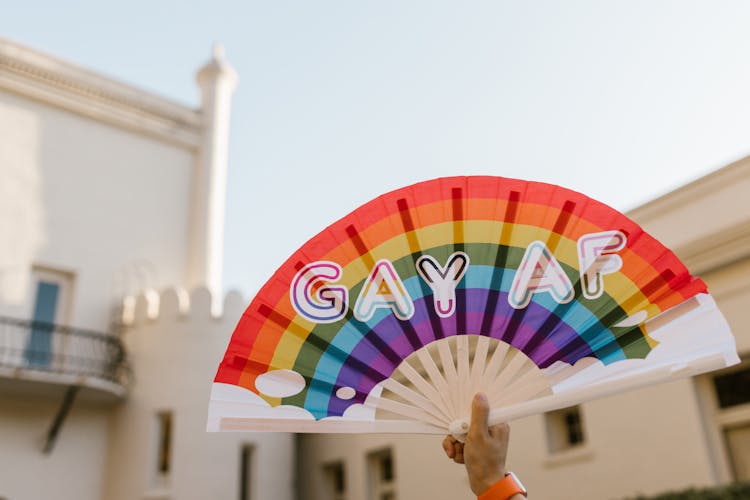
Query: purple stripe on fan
[389,329]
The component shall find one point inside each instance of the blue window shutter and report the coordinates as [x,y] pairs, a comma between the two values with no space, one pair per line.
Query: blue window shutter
[38,352]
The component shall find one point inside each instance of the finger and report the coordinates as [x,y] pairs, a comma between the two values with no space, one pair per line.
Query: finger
[500,432]
[480,411]
[448,447]
[459,456]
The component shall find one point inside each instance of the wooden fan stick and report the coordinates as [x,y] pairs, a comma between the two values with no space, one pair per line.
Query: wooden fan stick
[672,314]
[405,410]
[335,425]
[539,390]
[424,387]
[498,356]
[478,363]
[531,383]
[462,360]
[413,397]
[451,376]
[437,379]
[568,371]
[508,374]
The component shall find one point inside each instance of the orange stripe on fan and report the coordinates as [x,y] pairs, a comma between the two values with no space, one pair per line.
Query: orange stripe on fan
[533,215]
[457,209]
[408,224]
[356,240]
[487,209]
[434,213]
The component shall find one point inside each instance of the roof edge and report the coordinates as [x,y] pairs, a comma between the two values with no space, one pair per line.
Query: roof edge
[42,77]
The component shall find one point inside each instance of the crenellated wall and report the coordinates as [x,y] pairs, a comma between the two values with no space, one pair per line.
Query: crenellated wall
[175,345]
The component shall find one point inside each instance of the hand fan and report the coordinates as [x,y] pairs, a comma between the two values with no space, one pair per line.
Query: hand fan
[393,317]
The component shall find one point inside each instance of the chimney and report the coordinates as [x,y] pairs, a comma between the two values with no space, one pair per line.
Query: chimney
[217,81]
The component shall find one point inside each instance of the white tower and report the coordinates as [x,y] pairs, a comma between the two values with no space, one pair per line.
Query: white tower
[217,81]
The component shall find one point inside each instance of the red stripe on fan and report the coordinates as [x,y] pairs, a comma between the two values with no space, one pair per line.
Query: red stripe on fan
[356,240]
[403,211]
[553,197]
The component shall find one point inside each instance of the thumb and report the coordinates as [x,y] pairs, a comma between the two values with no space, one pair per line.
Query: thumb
[480,411]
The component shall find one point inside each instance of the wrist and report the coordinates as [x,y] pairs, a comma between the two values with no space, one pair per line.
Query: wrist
[481,484]
[509,487]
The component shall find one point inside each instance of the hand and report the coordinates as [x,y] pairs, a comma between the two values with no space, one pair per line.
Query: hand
[485,448]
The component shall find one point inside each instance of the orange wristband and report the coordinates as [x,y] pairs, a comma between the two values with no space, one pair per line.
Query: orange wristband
[504,489]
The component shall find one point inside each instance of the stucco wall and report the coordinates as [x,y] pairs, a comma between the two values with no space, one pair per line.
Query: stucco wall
[645,441]
[112,207]
[74,470]
[20,202]
[98,194]
[730,286]
[420,469]
[174,357]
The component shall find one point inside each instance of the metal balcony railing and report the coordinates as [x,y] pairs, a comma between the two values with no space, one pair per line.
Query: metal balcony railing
[46,347]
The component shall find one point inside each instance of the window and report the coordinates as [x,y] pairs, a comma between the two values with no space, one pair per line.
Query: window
[52,294]
[733,389]
[737,440]
[52,291]
[335,481]
[246,463]
[729,395]
[382,475]
[564,429]
[164,423]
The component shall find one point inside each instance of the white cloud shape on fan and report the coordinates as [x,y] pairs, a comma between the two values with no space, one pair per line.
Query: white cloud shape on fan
[345,393]
[633,320]
[280,383]
[360,411]
[697,334]
[231,401]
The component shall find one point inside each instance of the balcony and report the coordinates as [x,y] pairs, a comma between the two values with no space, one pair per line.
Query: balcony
[37,356]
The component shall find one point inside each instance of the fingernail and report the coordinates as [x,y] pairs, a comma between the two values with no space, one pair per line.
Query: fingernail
[480,397]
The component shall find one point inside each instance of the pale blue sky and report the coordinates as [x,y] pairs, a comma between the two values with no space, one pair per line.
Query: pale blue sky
[339,101]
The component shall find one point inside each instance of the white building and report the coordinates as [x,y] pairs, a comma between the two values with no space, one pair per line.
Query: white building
[107,191]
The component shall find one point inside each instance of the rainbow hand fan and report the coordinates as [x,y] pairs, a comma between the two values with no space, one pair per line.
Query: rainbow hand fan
[393,317]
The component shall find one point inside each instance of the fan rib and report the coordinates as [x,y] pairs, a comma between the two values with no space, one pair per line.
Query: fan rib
[529,383]
[498,356]
[501,258]
[424,387]
[359,245]
[462,359]
[437,379]
[451,376]
[457,209]
[336,425]
[324,347]
[404,410]
[672,314]
[414,398]
[508,373]
[560,224]
[478,363]
[415,249]
[534,390]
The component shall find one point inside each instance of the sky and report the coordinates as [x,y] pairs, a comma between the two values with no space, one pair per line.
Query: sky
[340,101]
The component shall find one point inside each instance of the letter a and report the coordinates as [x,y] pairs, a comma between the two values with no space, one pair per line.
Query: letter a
[383,289]
[319,304]
[595,260]
[539,272]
